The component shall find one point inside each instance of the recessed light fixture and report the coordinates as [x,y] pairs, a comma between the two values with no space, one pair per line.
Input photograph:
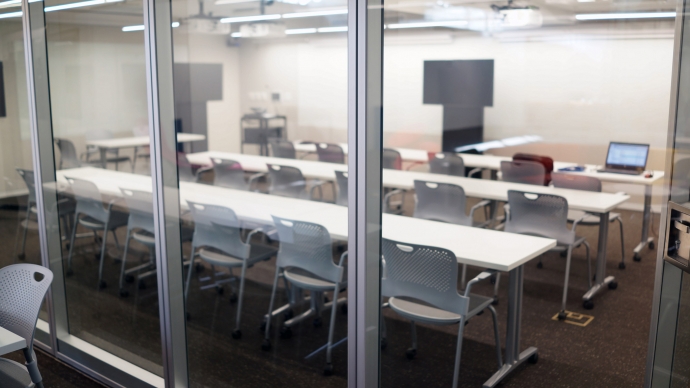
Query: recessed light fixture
[250,18]
[10,3]
[140,27]
[457,23]
[298,31]
[314,14]
[10,15]
[333,29]
[631,15]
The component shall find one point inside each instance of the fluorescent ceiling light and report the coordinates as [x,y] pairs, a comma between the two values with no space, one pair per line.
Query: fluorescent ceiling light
[236,34]
[457,23]
[333,29]
[140,27]
[314,14]
[632,15]
[250,18]
[301,31]
[78,5]
[11,3]
[222,2]
[10,15]
[175,24]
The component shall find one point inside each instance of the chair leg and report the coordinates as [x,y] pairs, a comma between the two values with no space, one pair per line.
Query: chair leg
[411,352]
[458,352]
[71,244]
[117,242]
[331,330]
[384,332]
[463,278]
[32,368]
[267,345]
[101,283]
[498,280]
[237,333]
[189,273]
[497,337]
[565,282]
[589,265]
[620,223]
[124,260]
[134,160]
[24,232]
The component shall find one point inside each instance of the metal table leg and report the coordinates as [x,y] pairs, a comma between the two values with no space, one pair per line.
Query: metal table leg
[513,356]
[646,217]
[104,151]
[600,279]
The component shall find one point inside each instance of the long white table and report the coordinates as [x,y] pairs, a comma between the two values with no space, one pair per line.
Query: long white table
[473,246]
[135,142]
[596,203]
[10,342]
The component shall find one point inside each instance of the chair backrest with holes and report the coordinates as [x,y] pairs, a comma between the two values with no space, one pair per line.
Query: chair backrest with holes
[545,161]
[330,153]
[281,148]
[341,180]
[447,163]
[515,171]
[391,159]
[218,227]
[228,173]
[68,154]
[286,181]
[140,204]
[543,215]
[28,177]
[89,200]
[426,273]
[440,202]
[575,182]
[22,289]
[306,246]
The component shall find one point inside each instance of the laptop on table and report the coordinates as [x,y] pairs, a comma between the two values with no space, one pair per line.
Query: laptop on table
[626,158]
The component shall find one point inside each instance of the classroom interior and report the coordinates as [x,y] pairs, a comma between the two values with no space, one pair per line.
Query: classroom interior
[552,84]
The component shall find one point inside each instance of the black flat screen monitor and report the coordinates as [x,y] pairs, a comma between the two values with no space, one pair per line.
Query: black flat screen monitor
[467,83]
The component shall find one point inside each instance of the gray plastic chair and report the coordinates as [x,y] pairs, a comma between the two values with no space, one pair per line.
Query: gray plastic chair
[217,241]
[391,159]
[68,154]
[28,177]
[421,284]
[586,183]
[23,288]
[112,156]
[523,171]
[330,153]
[228,173]
[447,163]
[288,181]
[546,215]
[91,214]
[281,148]
[305,260]
[341,180]
[140,227]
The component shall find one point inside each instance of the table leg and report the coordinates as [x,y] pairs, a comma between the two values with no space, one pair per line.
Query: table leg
[600,279]
[646,218]
[103,151]
[513,356]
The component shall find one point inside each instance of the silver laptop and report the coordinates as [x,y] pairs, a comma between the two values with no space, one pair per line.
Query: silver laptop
[626,158]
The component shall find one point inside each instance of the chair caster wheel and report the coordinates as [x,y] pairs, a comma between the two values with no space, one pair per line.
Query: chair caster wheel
[317,322]
[411,353]
[561,315]
[651,245]
[124,293]
[266,345]
[588,304]
[384,343]
[288,315]
[102,285]
[613,285]
[220,290]
[495,301]
[233,298]
[540,265]
[621,265]
[328,370]
[21,256]
[129,278]
[237,334]
[69,273]
[637,257]
[343,309]
[142,285]
[285,332]
[533,359]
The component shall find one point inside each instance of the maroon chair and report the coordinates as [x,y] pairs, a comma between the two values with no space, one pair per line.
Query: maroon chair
[545,161]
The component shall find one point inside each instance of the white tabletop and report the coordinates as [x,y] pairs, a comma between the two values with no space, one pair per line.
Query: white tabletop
[477,188]
[481,247]
[140,141]
[10,342]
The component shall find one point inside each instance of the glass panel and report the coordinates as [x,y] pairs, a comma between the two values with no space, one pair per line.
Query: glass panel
[485,106]
[96,124]
[261,99]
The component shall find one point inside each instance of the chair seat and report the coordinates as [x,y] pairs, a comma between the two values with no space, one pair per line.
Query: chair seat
[117,219]
[14,375]
[145,238]
[421,312]
[307,280]
[591,219]
[257,253]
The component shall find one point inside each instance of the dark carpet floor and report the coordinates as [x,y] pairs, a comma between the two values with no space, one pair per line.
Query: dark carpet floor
[609,352]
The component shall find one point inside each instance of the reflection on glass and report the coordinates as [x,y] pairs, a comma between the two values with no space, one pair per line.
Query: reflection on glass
[100,133]
[497,123]
[266,84]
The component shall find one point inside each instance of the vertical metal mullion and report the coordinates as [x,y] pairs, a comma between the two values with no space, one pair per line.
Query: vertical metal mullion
[43,158]
[365,114]
[166,198]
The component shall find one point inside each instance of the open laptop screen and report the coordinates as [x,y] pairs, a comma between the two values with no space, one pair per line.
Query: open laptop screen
[628,155]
